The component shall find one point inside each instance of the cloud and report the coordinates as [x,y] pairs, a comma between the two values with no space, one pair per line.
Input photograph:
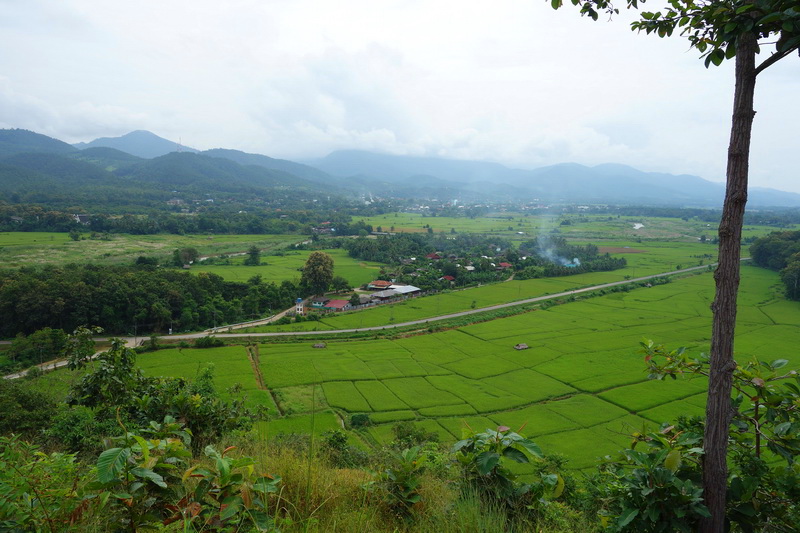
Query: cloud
[514,82]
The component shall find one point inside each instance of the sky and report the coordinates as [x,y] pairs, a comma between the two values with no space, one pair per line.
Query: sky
[510,81]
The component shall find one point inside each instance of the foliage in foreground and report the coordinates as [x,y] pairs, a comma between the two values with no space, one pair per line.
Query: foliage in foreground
[149,478]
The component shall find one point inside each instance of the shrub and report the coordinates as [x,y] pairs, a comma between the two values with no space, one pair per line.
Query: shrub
[359,420]
[209,341]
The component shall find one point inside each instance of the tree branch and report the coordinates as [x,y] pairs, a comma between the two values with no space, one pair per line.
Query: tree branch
[774,58]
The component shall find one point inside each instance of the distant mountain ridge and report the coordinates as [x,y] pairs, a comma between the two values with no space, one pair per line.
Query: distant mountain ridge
[144,158]
[608,183]
[140,143]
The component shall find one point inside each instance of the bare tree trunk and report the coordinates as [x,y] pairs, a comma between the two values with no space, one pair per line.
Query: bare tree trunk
[719,409]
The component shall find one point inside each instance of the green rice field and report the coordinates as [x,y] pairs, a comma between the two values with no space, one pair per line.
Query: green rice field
[580,227]
[580,389]
[277,268]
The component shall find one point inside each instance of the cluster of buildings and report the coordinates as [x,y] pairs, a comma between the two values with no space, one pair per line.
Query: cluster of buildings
[385,291]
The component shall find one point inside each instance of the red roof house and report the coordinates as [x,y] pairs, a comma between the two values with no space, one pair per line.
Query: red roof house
[433,255]
[336,305]
[379,284]
[448,278]
[505,265]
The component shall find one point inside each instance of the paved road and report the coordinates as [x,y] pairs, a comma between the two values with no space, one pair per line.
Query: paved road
[129,341]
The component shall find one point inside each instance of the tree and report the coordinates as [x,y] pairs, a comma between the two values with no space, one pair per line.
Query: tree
[340,284]
[355,300]
[253,256]
[317,272]
[184,256]
[722,30]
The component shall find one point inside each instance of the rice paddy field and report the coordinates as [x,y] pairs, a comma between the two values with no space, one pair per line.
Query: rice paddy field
[595,227]
[277,268]
[579,390]
[35,248]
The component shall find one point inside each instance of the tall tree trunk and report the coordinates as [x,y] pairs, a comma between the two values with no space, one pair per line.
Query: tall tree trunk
[719,408]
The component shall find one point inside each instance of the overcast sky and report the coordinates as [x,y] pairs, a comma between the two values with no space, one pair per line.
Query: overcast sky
[510,81]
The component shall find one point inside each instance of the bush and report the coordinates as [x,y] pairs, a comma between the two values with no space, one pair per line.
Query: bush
[360,420]
[341,454]
[24,410]
[208,342]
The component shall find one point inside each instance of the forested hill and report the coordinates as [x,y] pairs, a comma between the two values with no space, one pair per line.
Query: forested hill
[156,165]
[24,141]
[35,168]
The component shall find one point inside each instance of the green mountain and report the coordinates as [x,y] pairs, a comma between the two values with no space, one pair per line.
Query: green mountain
[181,169]
[110,159]
[18,141]
[297,169]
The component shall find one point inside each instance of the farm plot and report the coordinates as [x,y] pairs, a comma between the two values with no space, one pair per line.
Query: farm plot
[579,389]
[231,368]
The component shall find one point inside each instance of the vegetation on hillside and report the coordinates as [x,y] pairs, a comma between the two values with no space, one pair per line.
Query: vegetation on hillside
[781,251]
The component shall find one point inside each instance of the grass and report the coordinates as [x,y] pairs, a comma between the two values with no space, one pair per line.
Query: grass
[35,248]
[277,268]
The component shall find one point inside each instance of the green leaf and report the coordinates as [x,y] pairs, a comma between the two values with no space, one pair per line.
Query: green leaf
[673,461]
[778,363]
[485,461]
[772,17]
[267,484]
[110,463]
[532,447]
[627,516]
[515,455]
[145,448]
[559,489]
[233,505]
[146,473]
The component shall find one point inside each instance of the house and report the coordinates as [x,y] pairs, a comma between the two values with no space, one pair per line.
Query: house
[319,345]
[405,289]
[364,299]
[81,219]
[504,265]
[433,255]
[448,278]
[521,346]
[336,305]
[379,285]
[319,301]
[382,296]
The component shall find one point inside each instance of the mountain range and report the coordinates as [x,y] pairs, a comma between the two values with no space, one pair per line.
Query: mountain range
[143,163]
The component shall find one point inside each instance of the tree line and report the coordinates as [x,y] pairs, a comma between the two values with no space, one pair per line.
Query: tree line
[780,251]
[130,300]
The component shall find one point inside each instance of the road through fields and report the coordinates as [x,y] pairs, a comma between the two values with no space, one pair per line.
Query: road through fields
[132,341]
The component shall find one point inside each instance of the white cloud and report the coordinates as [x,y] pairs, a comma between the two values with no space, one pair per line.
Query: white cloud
[511,81]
